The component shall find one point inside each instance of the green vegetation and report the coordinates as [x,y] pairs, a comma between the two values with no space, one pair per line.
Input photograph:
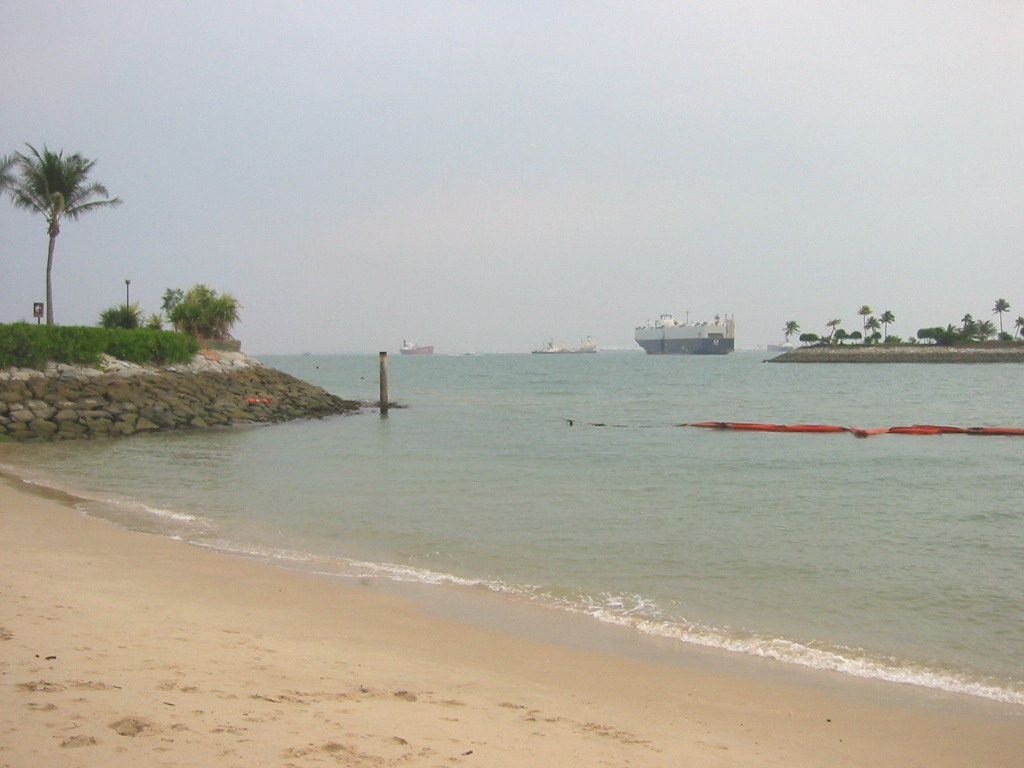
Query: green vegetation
[876,330]
[30,346]
[201,311]
[57,188]
[122,316]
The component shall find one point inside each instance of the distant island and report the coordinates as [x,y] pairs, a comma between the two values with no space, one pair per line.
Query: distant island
[969,342]
[904,353]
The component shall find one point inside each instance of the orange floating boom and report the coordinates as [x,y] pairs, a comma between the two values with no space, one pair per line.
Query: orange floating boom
[813,428]
[870,432]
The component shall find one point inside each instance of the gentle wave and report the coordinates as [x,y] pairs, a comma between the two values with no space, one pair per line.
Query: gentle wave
[105,505]
[636,612]
[643,615]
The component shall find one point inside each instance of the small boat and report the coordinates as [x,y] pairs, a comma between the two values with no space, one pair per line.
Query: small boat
[408,348]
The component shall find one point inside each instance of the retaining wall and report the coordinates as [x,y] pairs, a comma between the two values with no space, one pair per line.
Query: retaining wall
[120,399]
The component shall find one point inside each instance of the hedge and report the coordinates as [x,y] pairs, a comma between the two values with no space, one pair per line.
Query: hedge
[31,346]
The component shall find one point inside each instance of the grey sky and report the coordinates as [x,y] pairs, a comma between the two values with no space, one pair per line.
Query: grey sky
[486,176]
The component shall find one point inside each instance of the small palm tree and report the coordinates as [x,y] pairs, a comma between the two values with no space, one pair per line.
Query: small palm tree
[201,312]
[887,319]
[864,311]
[984,330]
[57,187]
[122,316]
[873,324]
[791,327]
[832,325]
[1019,325]
[1002,305]
[968,326]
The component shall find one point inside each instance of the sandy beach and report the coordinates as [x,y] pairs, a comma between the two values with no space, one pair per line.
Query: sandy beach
[124,649]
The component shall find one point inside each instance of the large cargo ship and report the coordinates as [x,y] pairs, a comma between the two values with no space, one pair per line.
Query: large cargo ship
[669,336]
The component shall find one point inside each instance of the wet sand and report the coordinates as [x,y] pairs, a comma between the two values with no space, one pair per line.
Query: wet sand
[123,649]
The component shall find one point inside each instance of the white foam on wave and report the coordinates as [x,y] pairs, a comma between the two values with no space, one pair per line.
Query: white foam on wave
[120,505]
[643,615]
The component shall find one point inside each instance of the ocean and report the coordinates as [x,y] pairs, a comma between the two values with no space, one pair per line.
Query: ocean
[565,480]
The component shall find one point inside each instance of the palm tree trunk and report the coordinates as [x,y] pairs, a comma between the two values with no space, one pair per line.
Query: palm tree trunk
[49,280]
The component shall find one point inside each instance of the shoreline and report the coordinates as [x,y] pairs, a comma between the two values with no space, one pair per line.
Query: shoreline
[904,353]
[221,655]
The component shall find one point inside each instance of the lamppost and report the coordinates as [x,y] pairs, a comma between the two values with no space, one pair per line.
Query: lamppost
[127,293]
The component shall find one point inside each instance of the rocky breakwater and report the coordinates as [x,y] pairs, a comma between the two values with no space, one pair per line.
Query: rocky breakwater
[118,399]
[904,353]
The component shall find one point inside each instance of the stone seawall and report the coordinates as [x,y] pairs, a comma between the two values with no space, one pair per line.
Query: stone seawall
[119,399]
[912,353]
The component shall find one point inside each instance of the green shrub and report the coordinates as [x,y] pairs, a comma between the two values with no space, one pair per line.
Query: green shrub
[121,316]
[30,346]
[201,311]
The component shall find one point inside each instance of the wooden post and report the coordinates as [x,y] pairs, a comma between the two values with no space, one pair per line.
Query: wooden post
[383,383]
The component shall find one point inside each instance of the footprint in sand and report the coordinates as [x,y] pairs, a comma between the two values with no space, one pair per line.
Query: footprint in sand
[41,686]
[79,741]
[129,726]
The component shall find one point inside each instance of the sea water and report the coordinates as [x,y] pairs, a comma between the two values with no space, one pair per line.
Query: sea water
[567,480]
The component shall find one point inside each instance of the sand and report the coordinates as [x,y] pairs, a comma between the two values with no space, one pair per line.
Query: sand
[124,649]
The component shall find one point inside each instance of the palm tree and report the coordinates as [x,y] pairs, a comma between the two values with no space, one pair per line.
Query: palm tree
[968,326]
[791,327]
[1002,305]
[832,325]
[887,319]
[864,311]
[202,312]
[984,330]
[56,187]
[873,324]
[6,178]
[1019,325]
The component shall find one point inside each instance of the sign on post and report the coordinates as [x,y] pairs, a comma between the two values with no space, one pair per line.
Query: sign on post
[37,310]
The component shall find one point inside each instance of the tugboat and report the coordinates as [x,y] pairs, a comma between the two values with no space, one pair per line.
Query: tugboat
[408,348]
[669,336]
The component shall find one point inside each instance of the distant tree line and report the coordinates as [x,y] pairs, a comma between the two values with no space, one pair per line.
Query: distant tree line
[875,330]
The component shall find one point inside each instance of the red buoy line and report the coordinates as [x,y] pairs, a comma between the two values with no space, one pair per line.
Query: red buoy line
[748,426]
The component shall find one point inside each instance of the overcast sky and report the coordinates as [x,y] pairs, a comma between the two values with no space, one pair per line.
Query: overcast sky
[486,176]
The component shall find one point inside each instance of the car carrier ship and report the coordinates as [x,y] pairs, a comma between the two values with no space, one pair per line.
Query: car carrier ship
[669,336]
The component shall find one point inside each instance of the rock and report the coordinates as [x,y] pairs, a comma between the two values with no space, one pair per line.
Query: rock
[99,426]
[78,401]
[42,428]
[71,429]
[41,409]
